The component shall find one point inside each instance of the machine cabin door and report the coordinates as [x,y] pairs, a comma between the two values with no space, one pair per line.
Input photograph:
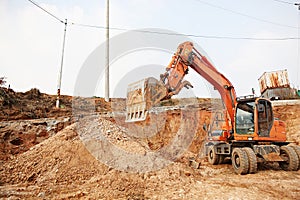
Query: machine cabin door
[244,118]
[264,117]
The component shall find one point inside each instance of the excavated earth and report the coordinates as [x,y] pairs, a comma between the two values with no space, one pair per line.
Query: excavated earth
[91,156]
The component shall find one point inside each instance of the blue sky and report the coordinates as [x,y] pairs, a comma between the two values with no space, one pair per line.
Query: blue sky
[31,40]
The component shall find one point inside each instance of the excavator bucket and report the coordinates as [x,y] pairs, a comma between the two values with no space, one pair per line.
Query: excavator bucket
[142,96]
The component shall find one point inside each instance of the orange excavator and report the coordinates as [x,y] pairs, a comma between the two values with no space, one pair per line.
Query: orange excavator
[249,133]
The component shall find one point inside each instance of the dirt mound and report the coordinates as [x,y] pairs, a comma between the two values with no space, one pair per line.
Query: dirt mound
[62,168]
[19,136]
[58,166]
[31,105]
[34,105]
[290,114]
[34,93]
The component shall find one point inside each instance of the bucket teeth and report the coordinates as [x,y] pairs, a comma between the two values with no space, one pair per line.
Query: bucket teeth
[136,113]
[141,96]
[136,102]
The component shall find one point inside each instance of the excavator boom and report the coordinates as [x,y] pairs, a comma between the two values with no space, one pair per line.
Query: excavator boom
[140,99]
[190,57]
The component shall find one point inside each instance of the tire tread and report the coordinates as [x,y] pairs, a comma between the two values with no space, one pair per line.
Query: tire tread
[244,163]
[252,160]
[293,159]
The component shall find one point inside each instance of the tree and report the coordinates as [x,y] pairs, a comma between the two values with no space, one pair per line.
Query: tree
[2,81]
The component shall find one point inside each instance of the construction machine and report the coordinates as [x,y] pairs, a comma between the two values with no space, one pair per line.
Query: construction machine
[248,134]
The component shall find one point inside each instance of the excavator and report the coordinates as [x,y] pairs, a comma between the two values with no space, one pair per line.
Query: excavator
[249,134]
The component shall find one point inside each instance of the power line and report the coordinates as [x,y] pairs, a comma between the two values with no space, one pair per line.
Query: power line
[181,34]
[209,4]
[49,13]
[245,15]
[286,2]
[63,48]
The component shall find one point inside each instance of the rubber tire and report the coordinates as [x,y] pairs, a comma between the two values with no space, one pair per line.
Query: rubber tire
[240,161]
[293,160]
[297,150]
[221,159]
[252,160]
[213,158]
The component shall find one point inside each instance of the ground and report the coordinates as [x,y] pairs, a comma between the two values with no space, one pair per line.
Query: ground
[54,158]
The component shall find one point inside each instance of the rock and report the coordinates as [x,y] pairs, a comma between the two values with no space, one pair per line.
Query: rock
[42,133]
[194,164]
[41,195]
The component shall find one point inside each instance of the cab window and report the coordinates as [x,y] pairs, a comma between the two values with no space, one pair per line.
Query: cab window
[245,118]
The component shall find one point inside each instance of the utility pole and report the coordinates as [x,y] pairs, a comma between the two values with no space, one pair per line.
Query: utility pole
[61,66]
[298,62]
[107,54]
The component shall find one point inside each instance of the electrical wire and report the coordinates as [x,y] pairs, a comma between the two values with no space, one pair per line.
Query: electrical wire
[49,13]
[245,15]
[286,2]
[178,34]
[181,34]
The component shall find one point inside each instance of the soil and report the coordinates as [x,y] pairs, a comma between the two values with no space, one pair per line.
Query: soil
[290,114]
[54,157]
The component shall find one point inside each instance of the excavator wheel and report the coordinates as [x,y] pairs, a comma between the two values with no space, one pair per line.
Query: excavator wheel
[290,156]
[297,150]
[240,161]
[221,159]
[213,158]
[252,160]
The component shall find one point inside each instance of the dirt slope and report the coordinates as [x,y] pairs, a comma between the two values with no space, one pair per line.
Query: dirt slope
[19,136]
[34,105]
[31,105]
[62,168]
[290,114]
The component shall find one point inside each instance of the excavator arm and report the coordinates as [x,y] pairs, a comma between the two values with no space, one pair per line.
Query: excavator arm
[171,83]
[188,57]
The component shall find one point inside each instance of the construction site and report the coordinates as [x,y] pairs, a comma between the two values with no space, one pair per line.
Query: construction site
[149,145]
[146,113]
[43,157]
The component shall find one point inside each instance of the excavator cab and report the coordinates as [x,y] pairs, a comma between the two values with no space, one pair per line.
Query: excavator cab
[244,117]
[254,120]
[265,118]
